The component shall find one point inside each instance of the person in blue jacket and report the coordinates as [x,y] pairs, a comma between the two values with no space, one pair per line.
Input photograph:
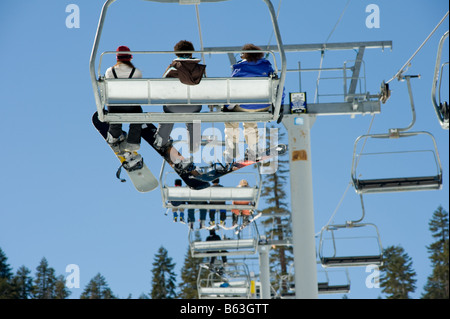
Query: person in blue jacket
[253,64]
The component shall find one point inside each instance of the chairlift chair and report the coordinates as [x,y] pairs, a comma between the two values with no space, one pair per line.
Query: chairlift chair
[402,183]
[233,283]
[215,91]
[339,260]
[205,198]
[245,244]
[326,288]
[396,184]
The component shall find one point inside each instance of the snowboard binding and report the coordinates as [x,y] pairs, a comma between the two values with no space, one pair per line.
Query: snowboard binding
[131,163]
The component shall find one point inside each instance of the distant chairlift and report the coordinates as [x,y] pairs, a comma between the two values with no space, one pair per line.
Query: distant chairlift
[326,287]
[210,91]
[245,243]
[343,260]
[199,199]
[233,282]
[334,256]
[402,183]
[441,108]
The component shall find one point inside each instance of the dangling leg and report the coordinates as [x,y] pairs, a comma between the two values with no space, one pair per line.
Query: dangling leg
[175,214]
[194,136]
[115,134]
[235,215]
[182,216]
[251,138]
[231,141]
[133,141]
[162,135]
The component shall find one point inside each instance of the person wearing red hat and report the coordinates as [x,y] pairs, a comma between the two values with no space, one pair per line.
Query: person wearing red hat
[124,69]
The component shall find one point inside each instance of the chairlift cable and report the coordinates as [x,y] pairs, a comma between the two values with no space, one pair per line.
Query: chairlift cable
[402,69]
[350,183]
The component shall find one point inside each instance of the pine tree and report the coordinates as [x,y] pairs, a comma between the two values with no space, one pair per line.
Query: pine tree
[61,291]
[273,191]
[23,283]
[5,269]
[45,281]
[397,279]
[97,288]
[437,286]
[144,296]
[6,288]
[189,275]
[164,279]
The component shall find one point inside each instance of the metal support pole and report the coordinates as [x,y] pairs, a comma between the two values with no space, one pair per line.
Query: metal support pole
[264,271]
[302,210]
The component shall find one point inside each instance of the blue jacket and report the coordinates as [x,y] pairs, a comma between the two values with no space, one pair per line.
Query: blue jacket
[260,68]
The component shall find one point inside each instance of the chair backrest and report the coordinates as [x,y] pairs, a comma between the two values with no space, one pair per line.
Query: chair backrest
[255,90]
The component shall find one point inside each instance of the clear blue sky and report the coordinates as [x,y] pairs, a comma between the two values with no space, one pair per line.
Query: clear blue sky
[59,196]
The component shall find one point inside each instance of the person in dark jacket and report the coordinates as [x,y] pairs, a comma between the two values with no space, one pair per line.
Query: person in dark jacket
[213,237]
[190,72]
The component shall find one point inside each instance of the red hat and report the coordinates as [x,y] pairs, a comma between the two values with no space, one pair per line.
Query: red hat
[124,57]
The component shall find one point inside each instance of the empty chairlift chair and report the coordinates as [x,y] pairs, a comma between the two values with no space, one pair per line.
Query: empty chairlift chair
[363,251]
[328,286]
[210,91]
[400,151]
[426,175]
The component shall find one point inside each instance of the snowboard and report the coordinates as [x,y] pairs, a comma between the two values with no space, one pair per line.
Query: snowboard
[188,175]
[140,175]
[217,170]
[241,227]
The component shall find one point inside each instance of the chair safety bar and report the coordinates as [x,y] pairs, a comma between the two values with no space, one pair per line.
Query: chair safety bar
[441,109]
